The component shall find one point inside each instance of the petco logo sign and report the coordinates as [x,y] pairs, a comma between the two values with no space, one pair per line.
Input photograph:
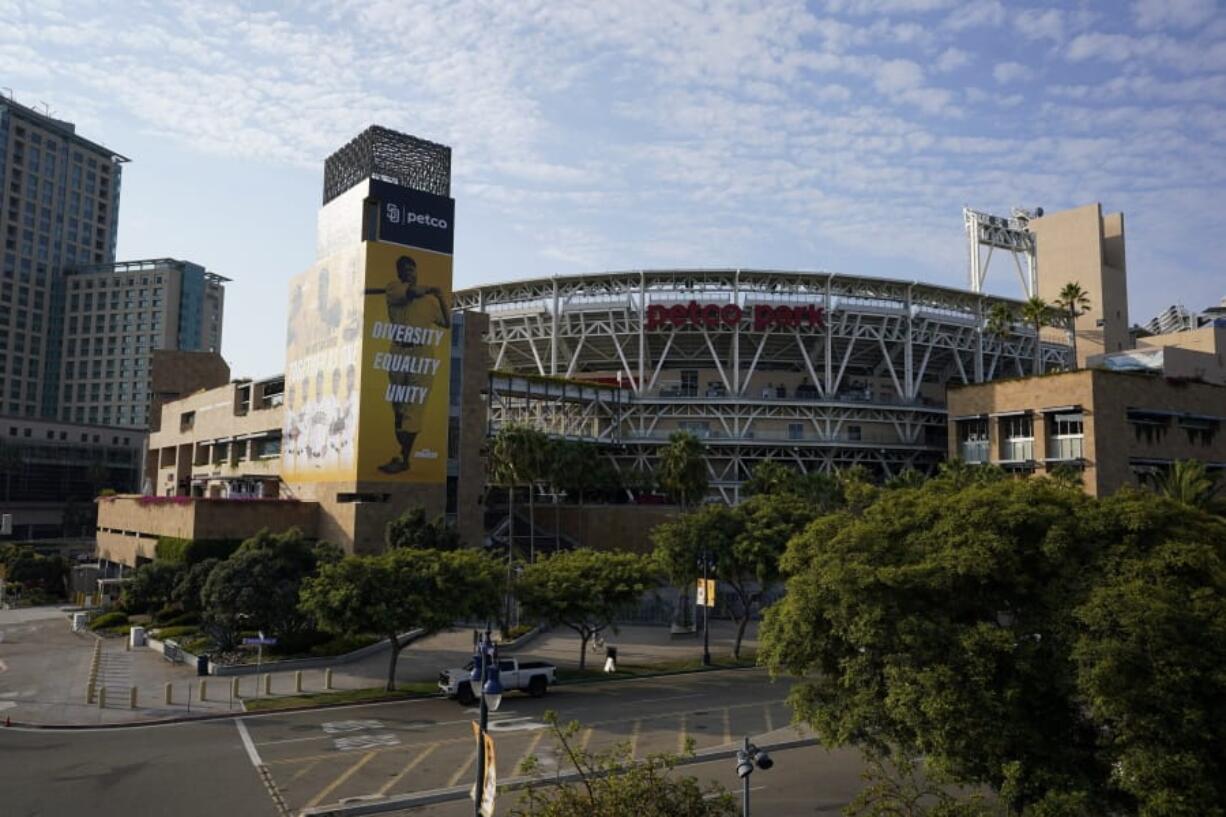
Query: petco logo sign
[711,316]
[396,216]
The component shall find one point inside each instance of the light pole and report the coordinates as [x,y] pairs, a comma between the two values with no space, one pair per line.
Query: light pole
[485,675]
[706,612]
[746,760]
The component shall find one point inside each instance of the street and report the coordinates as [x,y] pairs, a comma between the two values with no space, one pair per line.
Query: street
[319,760]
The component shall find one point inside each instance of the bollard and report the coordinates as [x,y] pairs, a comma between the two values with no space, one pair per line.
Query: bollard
[328,678]
[234,693]
[204,689]
[298,681]
[169,695]
[268,683]
[132,698]
[102,697]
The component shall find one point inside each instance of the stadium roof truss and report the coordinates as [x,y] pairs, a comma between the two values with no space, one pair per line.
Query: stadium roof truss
[903,333]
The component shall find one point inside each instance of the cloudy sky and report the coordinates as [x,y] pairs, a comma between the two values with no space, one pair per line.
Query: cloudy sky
[841,135]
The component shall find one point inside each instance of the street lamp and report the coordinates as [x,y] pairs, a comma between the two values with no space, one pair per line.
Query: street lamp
[485,676]
[746,760]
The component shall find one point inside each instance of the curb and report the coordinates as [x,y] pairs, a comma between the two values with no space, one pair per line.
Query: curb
[434,796]
[662,674]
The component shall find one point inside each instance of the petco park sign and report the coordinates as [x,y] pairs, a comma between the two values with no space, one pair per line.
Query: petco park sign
[712,316]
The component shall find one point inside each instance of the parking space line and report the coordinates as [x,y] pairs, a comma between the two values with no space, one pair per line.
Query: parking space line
[304,770]
[585,739]
[247,744]
[770,721]
[682,734]
[345,775]
[727,725]
[410,766]
[634,737]
[463,770]
[529,752]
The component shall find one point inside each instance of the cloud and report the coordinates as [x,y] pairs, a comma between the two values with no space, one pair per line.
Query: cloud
[1007,72]
[1155,14]
[1041,25]
[951,59]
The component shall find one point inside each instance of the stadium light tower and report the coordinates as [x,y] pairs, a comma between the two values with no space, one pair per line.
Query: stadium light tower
[1012,235]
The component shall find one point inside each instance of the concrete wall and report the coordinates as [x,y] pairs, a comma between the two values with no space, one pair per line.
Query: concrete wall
[175,374]
[128,527]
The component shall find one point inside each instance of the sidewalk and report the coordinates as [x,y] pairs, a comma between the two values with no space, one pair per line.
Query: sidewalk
[45,669]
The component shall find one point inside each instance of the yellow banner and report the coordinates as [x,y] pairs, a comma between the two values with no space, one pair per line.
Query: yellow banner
[406,365]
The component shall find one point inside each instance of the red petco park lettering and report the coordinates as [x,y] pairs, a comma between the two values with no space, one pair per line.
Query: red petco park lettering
[714,315]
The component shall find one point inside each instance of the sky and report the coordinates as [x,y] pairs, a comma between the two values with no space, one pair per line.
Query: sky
[843,135]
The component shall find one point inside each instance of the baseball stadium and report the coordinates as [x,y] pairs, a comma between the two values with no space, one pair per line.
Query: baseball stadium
[823,370]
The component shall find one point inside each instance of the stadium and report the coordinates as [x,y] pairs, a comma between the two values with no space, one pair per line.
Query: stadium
[823,370]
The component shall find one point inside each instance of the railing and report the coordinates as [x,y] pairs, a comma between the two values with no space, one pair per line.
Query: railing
[1018,449]
[974,452]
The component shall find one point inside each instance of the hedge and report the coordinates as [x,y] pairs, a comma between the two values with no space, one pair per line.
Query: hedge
[191,551]
[113,619]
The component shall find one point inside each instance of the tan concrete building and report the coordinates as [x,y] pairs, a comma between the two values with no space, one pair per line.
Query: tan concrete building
[1119,428]
[1086,247]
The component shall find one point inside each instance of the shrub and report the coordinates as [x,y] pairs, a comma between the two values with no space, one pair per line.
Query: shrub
[166,614]
[113,619]
[176,632]
[343,644]
[191,551]
[182,620]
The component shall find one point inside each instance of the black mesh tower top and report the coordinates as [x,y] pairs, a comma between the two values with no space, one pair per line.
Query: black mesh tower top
[390,155]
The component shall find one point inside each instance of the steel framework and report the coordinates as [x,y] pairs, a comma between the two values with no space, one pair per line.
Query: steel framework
[914,337]
[387,154]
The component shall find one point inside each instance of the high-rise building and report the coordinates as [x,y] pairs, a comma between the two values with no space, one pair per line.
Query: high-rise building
[59,206]
[114,317]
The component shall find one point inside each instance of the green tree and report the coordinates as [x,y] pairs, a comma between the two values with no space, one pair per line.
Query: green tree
[1037,313]
[1063,651]
[151,586]
[1188,482]
[1150,659]
[187,592]
[257,587]
[413,530]
[906,478]
[613,784]
[402,590]
[1074,302]
[682,469]
[584,589]
[999,325]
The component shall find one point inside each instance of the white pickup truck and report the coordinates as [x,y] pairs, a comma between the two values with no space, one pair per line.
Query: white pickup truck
[533,677]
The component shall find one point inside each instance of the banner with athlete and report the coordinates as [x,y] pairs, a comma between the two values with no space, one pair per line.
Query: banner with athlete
[406,338]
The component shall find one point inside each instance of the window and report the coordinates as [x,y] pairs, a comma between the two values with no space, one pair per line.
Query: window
[796,431]
[973,440]
[1065,436]
[689,382]
[187,420]
[1017,438]
[855,434]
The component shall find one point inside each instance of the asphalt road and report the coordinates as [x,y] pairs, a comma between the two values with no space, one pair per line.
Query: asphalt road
[372,753]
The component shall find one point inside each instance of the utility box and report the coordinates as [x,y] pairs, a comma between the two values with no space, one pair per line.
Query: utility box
[136,637]
[80,621]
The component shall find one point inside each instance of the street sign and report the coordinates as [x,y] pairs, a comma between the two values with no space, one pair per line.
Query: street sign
[705,595]
[260,642]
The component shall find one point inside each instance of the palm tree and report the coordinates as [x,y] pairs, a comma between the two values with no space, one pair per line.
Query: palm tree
[682,473]
[1189,482]
[683,469]
[1075,301]
[1037,313]
[999,324]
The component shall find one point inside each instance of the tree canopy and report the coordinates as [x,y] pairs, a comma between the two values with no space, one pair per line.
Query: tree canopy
[413,530]
[401,590]
[682,469]
[584,589]
[1016,634]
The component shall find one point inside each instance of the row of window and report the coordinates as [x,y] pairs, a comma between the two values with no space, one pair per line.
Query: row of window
[1065,437]
[62,435]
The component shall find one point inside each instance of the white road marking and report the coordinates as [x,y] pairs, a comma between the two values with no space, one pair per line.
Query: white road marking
[332,727]
[365,742]
[514,725]
[247,744]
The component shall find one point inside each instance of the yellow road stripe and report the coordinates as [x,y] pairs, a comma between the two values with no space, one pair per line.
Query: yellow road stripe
[348,773]
[531,750]
[727,725]
[585,739]
[410,766]
[468,738]
[304,770]
[634,737]
[681,735]
[463,770]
